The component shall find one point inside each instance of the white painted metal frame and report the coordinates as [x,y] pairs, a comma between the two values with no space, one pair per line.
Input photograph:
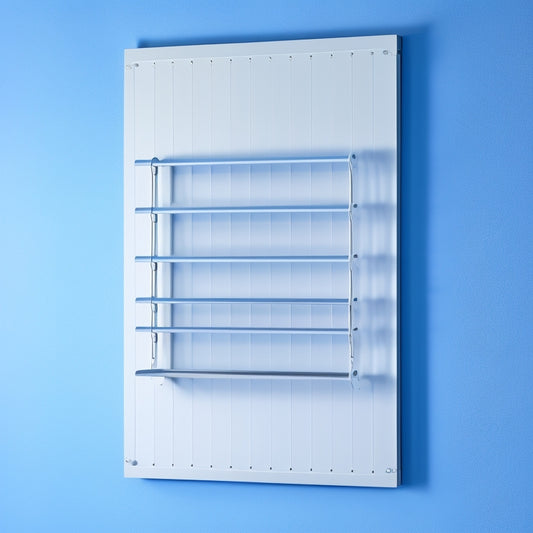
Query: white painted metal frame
[261,255]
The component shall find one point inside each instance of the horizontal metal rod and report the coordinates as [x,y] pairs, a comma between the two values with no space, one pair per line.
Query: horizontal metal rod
[269,331]
[243,259]
[325,301]
[249,209]
[240,374]
[262,161]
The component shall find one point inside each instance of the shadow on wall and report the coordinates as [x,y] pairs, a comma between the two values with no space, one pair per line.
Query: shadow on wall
[414,228]
[414,257]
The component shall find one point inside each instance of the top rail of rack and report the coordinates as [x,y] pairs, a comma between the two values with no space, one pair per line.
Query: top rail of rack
[155,162]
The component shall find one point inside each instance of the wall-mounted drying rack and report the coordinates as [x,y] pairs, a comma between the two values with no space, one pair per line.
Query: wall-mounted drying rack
[343,257]
[254,286]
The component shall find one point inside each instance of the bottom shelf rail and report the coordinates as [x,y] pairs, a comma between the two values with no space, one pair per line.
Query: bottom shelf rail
[240,374]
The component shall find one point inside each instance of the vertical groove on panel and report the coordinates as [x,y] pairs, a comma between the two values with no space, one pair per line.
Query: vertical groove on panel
[231,141]
[269,245]
[154,202]
[331,385]
[210,251]
[372,81]
[352,148]
[311,386]
[251,389]
[154,392]
[173,388]
[251,344]
[329,185]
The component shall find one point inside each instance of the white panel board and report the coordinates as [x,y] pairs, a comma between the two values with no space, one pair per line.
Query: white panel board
[268,248]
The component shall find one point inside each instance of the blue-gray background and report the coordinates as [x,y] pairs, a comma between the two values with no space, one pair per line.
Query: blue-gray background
[467,269]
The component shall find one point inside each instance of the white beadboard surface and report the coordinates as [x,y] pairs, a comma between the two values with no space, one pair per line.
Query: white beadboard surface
[311,98]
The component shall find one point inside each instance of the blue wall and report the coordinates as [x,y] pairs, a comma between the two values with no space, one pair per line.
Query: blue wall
[467,269]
